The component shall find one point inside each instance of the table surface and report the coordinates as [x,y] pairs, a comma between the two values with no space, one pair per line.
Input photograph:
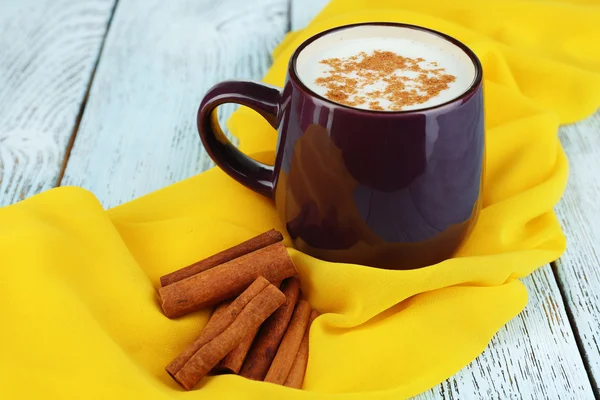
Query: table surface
[103,94]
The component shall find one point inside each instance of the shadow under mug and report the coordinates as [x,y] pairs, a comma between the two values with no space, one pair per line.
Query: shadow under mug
[380,188]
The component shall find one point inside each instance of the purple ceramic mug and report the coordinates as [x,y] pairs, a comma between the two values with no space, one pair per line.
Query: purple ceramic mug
[391,189]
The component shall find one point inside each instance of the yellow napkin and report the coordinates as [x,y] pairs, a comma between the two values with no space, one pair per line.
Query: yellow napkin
[78,307]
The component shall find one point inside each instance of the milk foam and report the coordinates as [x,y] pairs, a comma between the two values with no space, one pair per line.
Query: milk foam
[410,43]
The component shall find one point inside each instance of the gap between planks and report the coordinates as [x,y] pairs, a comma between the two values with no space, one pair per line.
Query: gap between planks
[73,136]
[575,329]
[494,376]
[48,52]
[302,11]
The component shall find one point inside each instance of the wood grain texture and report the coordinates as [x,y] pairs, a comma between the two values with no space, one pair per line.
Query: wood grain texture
[579,213]
[48,50]
[138,131]
[535,356]
[138,134]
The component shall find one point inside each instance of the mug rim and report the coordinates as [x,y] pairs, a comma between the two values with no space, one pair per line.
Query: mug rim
[466,94]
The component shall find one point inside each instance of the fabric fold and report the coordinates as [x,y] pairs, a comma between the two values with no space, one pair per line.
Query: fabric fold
[80,315]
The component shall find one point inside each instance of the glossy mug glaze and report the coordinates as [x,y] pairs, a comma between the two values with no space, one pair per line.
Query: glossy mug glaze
[380,188]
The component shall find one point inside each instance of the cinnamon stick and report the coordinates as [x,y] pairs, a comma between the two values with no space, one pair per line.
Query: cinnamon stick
[267,340]
[232,363]
[296,375]
[216,324]
[220,319]
[258,242]
[286,353]
[225,281]
[248,320]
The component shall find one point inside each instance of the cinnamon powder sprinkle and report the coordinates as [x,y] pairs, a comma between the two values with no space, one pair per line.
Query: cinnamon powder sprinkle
[405,81]
[374,105]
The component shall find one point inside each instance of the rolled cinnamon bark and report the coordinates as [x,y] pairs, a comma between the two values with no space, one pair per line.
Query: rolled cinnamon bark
[258,242]
[286,353]
[267,340]
[215,325]
[232,363]
[248,320]
[221,318]
[225,281]
[296,375]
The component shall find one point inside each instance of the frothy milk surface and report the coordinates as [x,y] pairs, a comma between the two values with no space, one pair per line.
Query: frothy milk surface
[390,69]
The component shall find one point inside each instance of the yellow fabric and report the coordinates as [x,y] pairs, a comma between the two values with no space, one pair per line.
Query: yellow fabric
[79,311]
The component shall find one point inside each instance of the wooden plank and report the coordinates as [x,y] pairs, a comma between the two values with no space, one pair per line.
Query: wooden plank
[534,356]
[139,126]
[579,211]
[48,50]
[138,132]
[303,11]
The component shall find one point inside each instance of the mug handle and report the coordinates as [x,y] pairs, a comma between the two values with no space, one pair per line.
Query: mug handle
[263,99]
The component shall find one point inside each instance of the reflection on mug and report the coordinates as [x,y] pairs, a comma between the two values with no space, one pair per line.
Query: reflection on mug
[331,214]
[395,188]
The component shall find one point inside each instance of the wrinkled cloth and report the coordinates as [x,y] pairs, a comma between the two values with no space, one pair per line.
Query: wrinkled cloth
[80,316]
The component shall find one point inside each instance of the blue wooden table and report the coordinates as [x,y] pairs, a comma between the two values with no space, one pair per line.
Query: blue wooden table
[103,94]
